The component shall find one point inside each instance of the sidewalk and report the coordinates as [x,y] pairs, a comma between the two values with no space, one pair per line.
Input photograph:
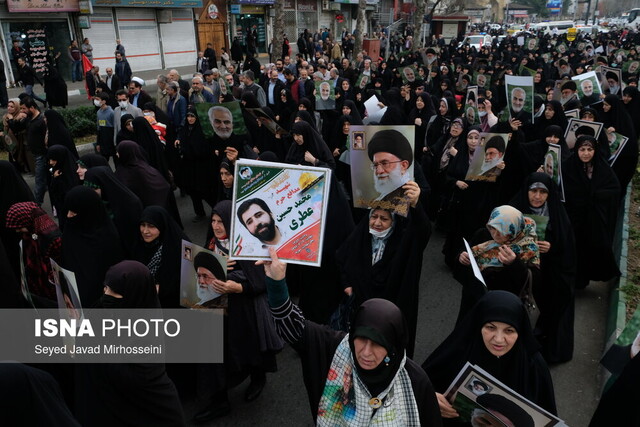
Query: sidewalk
[77,89]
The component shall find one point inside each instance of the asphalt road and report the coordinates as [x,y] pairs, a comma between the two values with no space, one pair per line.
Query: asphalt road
[284,399]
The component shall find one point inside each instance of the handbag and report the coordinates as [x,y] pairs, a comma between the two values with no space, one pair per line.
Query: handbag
[529,302]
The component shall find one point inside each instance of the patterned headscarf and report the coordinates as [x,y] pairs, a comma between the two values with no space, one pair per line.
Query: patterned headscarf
[521,238]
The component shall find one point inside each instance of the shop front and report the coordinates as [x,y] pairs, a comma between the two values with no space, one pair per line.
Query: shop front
[250,17]
[44,30]
[157,36]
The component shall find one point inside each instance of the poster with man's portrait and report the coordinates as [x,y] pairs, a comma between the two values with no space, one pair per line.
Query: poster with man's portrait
[575,113]
[588,86]
[616,144]
[67,294]
[325,96]
[200,269]
[488,160]
[561,48]
[482,80]
[471,106]
[631,67]
[362,81]
[279,206]
[379,171]
[482,400]
[531,43]
[577,127]
[225,87]
[267,121]
[223,120]
[519,94]
[610,78]
[408,74]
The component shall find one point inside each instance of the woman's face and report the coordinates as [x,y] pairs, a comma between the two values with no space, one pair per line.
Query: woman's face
[585,153]
[499,337]
[52,162]
[11,108]
[606,106]
[226,177]
[456,129]
[81,171]
[498,236]
[588,117]
[549,97]
[369,354]
[549,112]
[443,108]
[473,139]
[538,197]
[552,139]
[191,119]
[218,227]
[149,232]
[345,85]
[419,103]
[346,111]
[301,107]
[299,139]
[345,128]
[129,125]
[380,220]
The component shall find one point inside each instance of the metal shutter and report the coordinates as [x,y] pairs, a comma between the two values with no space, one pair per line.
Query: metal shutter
[139,36]
[102,36]
[179,40]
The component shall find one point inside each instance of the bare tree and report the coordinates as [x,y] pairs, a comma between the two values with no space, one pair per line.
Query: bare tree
[418,19]
[278,33]
[362,9]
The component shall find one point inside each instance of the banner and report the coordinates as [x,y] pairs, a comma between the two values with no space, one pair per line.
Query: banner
[281,206]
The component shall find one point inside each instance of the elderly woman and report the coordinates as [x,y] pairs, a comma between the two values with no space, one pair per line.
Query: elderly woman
[505,251]
[360,378]
[382,258]
[495,335]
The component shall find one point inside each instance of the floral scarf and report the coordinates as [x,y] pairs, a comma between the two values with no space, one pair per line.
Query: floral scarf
[521,233]
[346,401]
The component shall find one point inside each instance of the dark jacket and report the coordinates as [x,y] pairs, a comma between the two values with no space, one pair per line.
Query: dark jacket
[143,98]
[276,93]
[123,70]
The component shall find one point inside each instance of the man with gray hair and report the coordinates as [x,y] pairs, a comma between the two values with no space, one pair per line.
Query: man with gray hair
[250,86]
[161,94]
[211,82]
[198,94]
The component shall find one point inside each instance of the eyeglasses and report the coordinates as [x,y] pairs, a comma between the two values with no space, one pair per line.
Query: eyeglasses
[384,164]
[456,125]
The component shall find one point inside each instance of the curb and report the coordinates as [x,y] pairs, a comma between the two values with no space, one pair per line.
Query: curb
[616,319]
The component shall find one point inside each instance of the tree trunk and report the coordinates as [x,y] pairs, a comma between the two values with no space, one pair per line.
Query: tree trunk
[362,10]
[278,32]
[418,18]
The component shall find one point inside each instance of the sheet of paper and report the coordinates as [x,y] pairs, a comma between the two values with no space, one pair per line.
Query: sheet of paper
[474,264]
[372,106]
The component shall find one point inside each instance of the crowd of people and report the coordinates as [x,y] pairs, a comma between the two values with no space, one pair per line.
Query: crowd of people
[120,231]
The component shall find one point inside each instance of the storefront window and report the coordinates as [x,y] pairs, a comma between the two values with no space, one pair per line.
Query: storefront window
[255,24]
[54,36]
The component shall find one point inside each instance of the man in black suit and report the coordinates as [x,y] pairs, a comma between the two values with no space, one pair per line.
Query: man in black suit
[272,89]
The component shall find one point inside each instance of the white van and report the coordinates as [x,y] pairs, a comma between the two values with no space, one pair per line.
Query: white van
[548,27]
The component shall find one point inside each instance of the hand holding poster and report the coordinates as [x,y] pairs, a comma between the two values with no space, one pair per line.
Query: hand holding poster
[519,96]
[479,398]
[487,162]
[199,271]
[281,206]
[267,121]
[380,165]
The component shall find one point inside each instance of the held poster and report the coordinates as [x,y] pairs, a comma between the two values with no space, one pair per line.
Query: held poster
[381,163]
[281,206]
[481,399]
[199,269]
